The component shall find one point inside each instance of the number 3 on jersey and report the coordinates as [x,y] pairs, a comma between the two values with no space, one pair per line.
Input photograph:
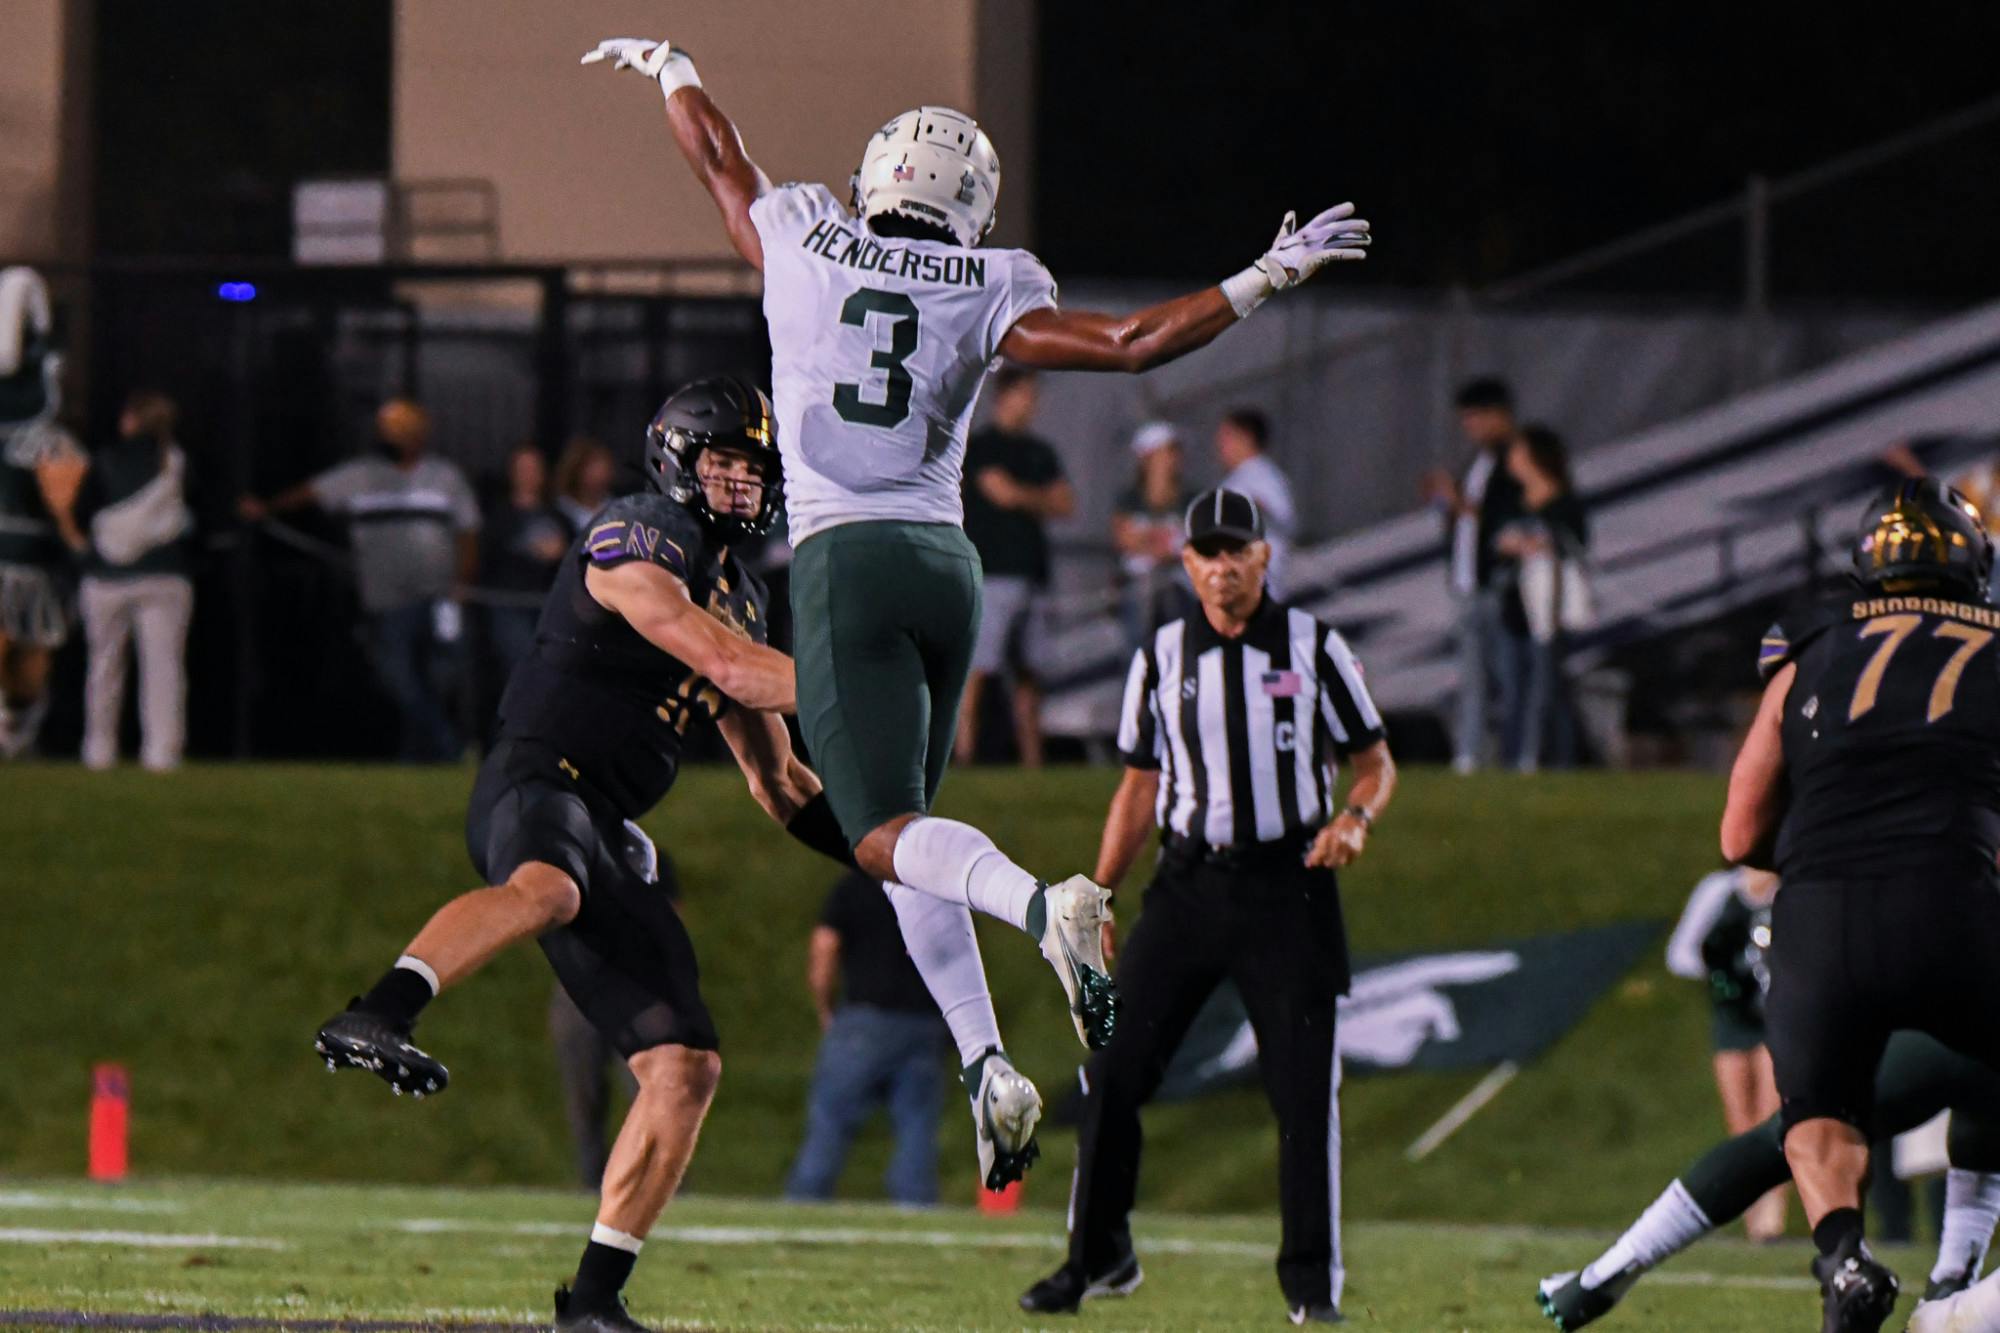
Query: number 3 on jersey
[901,314]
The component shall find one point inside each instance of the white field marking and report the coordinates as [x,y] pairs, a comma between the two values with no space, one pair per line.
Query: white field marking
[157,1240]
[85,1203]
[1470,1105]
[715,1235]
[1747,1282]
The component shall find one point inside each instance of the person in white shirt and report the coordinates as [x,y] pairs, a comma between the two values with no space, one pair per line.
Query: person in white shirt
[1240,442]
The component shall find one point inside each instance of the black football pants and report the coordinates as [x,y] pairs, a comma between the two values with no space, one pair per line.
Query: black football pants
[1276,933]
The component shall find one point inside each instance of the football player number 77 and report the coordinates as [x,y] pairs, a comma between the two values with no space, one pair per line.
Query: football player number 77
[1893,630]
[900,312]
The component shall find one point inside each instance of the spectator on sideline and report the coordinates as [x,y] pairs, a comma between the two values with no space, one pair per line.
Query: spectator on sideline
[1477,505]
[883,1045]
[1014,484]
[137,584]
[526,536]
[1240,442]
[585,475]
[1717,943]
[415,527]
[1547,544]
[1146,528]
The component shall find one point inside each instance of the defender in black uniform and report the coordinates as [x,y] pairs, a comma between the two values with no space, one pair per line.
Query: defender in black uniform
[1870,781]
[652,623]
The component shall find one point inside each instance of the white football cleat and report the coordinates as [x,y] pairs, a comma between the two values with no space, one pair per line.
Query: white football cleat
[1974,1310]
[1005,1111]
[1073,942]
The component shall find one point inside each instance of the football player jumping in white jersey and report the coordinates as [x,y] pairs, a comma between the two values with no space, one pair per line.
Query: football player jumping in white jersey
[883,328]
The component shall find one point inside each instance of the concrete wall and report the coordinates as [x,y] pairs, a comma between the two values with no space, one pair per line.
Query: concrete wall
[31,126]
[583,163]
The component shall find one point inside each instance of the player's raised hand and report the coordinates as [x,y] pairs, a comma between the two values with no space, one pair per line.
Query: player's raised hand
[1296,254]
[1299,252]
[660,60]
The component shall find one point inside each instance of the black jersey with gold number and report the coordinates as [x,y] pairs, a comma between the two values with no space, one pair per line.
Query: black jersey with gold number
[613,705]
[1891,737]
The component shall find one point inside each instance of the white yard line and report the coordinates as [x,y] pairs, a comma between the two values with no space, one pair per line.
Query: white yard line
[1739,1281]
[137,1239]
[726,1235]
[1470,1105]
[92,1203]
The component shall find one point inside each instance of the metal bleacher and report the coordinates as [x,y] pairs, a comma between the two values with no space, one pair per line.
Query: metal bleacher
[1725,508]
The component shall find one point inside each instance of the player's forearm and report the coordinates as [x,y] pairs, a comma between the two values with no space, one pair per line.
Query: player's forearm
[1127,826]
[714,150]
[753,675]
[1085,340]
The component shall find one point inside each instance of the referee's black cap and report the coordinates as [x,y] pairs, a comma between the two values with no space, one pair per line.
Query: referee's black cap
[1220,516]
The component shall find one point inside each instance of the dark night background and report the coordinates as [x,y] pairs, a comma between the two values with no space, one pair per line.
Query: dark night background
[1482,139]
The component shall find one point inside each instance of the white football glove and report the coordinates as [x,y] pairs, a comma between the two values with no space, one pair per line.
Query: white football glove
[671,66]
[1296,254]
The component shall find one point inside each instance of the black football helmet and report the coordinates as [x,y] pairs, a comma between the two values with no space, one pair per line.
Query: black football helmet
[726,412]
[1921,531]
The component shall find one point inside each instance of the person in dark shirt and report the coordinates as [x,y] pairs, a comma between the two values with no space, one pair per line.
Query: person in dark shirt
[137,584]
[1545,546]
[1476,506]
[525,540]
[1014,484]
[652,624]
[1870,781]
[883,1045]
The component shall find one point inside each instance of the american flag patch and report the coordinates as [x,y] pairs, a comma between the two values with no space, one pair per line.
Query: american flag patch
[903,171]
[1282,684]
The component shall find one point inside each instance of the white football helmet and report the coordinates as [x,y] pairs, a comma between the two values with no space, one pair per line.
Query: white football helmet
[934,165]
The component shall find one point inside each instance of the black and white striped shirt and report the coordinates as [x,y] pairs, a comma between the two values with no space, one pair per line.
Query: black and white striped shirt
[1246,732]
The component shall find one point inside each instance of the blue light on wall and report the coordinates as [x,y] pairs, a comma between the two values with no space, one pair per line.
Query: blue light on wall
[237,291]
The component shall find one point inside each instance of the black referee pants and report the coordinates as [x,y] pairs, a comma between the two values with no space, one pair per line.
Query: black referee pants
[1277,933]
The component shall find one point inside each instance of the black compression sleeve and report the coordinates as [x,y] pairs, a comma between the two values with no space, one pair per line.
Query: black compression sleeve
[815,826]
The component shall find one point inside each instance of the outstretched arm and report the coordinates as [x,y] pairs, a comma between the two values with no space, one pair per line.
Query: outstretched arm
[1051,339]
[656,605]
[763,748]
[780,781]
[1756,801]
[707,138]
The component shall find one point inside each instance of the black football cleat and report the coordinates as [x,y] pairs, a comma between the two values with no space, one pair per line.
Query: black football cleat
[614,1319]
[1944,1288]
[1570,1305]
[1857,1294]
[357,1039]
[1323,1312]
[1066,1288]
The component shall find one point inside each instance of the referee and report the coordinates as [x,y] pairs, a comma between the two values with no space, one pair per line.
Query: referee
[1232,724]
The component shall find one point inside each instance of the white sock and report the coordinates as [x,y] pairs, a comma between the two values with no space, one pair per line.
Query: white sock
[1971,1207]
[616,1239]
[421,968]
[941,942]
[1673,1222]
[958,863]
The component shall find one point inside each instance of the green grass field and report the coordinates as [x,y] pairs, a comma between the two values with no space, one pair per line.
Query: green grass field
[196,928]
[492,1255]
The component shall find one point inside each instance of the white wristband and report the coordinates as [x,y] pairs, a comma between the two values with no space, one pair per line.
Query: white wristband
[1247,290]
[678,73]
